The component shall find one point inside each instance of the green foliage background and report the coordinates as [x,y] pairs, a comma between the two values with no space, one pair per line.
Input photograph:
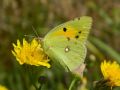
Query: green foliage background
[19,17]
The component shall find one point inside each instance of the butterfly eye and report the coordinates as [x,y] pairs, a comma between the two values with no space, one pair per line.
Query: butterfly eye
[64,29]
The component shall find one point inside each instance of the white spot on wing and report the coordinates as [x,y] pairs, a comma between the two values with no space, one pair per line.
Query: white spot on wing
[67,49]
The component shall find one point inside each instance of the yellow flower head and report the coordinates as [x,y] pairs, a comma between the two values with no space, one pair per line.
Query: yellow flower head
[111,72]
[3,87]
[30,53]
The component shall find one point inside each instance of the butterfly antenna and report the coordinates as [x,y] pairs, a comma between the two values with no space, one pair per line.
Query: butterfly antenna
[35,32]
[29,36]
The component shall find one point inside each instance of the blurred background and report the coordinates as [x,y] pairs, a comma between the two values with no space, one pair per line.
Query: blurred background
[19,17]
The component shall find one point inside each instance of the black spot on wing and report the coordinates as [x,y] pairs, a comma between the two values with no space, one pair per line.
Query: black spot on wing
[76,36]
[68,38]
[64,29]
[79,32]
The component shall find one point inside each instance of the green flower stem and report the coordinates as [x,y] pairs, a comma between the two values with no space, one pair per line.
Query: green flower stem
[40,87]
[73,83]
[35,87]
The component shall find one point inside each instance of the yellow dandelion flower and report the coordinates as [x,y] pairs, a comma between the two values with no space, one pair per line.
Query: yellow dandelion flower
[30,53]
[3,87]
[111,72]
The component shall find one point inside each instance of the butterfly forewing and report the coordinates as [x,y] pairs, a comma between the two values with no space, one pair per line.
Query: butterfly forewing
[78,28]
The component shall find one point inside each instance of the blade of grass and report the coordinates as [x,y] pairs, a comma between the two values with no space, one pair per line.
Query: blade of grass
[92,48]
[106,48]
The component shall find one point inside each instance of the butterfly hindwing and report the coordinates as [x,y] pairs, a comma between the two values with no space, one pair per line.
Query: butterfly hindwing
[69,54]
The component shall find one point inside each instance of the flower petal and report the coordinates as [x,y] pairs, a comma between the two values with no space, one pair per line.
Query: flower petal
[30,53]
